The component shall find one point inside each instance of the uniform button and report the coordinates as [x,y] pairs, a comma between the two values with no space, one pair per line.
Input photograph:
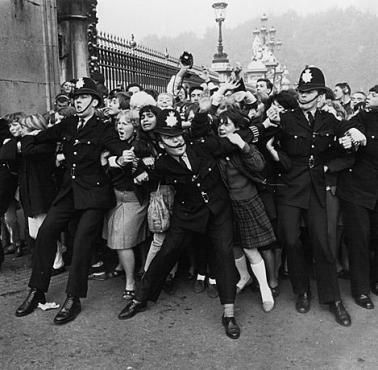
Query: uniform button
[295,137]
[327,134]
[210,169]
[227,158]
[279,174]
[350,170]
[202,140]
[97,183]
[373,137]
[313,135]
[175,181]
[73,164]
[198,184]
[89,142]
[312,146]
[74,153]
[182,202]
[74,177]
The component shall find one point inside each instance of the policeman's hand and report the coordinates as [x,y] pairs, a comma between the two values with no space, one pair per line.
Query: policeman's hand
[272,150]
[236,139]
[273,114]
[268,123]
[148,161]
[128,155]
[346,142]
[104,158]
[141,178]
[357,136]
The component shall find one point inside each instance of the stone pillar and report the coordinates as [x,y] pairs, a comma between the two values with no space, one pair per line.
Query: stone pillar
[73,24]
[29,72]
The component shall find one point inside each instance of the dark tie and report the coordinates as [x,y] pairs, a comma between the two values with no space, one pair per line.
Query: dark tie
[80,125]
[311,120]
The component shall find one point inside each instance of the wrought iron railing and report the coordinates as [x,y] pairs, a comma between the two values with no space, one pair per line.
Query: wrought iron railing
[124,62]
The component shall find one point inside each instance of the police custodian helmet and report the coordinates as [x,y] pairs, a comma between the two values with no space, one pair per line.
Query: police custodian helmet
[311,78]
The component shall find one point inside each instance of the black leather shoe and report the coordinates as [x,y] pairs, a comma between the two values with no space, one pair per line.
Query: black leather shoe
[374,287]
[341,315]
[364,301]
[199,286]
[131,309]
[70,309]
[303,303]
[232,328]
[34,297]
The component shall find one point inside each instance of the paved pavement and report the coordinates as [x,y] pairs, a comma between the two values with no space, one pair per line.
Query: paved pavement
[182,331]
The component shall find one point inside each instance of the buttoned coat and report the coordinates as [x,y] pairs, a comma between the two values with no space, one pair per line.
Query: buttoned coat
[82,149]
[309,150]
[199,189]
[359,184]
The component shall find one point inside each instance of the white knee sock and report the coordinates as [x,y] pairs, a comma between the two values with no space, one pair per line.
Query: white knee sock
[260,273]
[241,265]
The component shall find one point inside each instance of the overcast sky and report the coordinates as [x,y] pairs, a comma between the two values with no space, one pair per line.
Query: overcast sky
[171,17]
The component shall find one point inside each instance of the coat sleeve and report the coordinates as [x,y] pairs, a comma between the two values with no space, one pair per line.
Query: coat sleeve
[30,148]
[112,142]
[53,133]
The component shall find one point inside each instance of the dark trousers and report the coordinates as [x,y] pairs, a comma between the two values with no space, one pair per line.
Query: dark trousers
[219,231]
[360,226]
[89,222]
[204,255]
[289,224]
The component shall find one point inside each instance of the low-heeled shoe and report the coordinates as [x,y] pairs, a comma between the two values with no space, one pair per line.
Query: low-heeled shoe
[231,327]
[341,315]
[70,309]
[364,301]
[131,309]
[34,297]
[303,303]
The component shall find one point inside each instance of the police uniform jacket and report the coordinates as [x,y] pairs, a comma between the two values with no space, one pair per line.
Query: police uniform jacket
[308,150]
[200,189]
[84,175]
[359,184]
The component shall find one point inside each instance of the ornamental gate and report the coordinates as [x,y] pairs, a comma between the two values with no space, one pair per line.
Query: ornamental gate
[124,62]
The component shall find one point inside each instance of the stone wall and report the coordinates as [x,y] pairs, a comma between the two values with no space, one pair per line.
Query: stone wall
[29,65]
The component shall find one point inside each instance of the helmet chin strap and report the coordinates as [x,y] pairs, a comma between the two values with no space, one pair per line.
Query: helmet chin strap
[89,104]
[310,101]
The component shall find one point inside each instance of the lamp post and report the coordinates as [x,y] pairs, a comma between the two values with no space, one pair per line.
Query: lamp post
[220,13]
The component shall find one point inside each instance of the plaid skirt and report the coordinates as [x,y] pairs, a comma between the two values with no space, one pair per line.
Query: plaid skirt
[126,224]
[252,228]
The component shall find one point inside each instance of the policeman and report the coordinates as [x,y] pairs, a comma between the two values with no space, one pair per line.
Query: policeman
[358,191]
[307,136]
[201,206]
[86,192]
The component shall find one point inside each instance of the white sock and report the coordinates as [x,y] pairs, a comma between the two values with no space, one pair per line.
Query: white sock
[200,277]
[58,262]
[260,273]
[212,281]
[241,265]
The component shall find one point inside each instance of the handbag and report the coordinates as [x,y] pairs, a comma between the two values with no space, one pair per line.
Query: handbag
[158,216]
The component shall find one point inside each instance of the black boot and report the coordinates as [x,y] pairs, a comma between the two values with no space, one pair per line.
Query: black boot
[34,297]
[70,309]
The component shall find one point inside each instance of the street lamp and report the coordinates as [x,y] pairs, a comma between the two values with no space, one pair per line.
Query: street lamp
[220,14]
